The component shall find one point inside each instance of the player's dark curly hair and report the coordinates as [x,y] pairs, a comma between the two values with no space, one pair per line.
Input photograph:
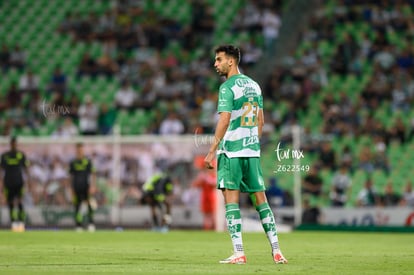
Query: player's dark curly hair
[230,50]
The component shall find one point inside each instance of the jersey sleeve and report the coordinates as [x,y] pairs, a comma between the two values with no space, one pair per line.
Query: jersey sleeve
[260,101]
[225,100]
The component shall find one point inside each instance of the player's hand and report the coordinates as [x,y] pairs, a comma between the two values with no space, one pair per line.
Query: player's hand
[208,160]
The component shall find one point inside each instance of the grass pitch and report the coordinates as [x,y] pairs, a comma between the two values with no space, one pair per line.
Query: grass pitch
[197,252]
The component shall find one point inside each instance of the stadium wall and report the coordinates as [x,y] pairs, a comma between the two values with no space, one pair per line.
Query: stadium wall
[184,217]
[177,150]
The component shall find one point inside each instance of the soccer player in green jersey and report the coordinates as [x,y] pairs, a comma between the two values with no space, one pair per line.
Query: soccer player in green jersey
[237,144]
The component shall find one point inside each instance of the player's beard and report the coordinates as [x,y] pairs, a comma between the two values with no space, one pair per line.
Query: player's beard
[222,72]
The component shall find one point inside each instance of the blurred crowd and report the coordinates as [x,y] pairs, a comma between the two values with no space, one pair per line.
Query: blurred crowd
[156,61]
[359,62]
[388,83]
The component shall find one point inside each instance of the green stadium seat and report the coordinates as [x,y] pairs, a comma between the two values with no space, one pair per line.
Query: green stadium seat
[327,177]
[26,131]
[379,179]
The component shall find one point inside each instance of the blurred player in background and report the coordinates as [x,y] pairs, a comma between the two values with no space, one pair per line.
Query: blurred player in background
[237,142]
[206,180]
[13,163]
[157,192]
[83,181]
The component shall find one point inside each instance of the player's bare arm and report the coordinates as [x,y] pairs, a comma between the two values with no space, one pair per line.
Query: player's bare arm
[260,121]
[221,129]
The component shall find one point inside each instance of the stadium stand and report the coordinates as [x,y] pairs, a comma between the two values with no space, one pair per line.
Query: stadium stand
[98,44]
[349,82]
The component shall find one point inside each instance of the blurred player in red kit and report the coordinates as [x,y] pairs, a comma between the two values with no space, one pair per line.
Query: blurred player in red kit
[206,180]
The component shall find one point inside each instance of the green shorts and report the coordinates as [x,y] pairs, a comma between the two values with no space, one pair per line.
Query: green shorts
[244,174]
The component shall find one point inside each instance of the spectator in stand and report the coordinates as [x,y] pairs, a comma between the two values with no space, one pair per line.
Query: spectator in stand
[16,116]
[327,102]
[248,18]
[408,195]
[148,95]
[106,120]
[341,186]
[125,97]
[83,29]
[385,58]
[67,129]
[406,59]
[271,24]
[107,66]
[171,125]
[312,183]
[14,97]
[287,127]
[399,98]
[17,58]
[128,70]
[398,131]
[127,38]
[58,82]
[309,141]
[365,159]
[368,196]
[203,18]
[57,100]
[347,158]
[106,25]
[88,66]
[251,53]
[73,104]
[327,157]
[66,25]
[88,117]
[35,107]
[390,198]
[4,57]
[29,82]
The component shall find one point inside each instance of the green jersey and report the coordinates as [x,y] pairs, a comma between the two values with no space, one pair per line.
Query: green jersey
[242,97]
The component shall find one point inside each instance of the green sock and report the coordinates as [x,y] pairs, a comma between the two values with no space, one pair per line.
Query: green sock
[234,226]
[269,225]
